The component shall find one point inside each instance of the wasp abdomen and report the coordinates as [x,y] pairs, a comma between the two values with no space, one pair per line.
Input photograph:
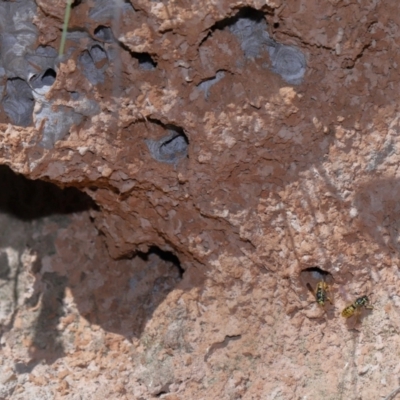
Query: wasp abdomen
[360,302]
[321,293]
[349,311]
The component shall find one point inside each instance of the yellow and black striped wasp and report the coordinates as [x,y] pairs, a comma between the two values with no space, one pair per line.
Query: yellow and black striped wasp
[355,308]
[316,281]
[321,293]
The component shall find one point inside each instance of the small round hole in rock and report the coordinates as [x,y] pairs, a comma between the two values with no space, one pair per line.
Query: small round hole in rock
[171,148]
[311,276]
[146,62]
[49,77]
[165,256]
[104,33]
[45,79]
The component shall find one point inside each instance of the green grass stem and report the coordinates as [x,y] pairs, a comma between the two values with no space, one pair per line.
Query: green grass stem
[65,27]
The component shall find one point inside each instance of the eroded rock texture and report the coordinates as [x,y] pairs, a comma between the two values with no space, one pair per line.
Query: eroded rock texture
[228,147]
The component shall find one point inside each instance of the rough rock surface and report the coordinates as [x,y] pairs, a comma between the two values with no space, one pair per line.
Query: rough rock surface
[250,140]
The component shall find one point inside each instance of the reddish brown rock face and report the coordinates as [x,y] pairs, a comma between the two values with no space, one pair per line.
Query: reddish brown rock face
[229,147]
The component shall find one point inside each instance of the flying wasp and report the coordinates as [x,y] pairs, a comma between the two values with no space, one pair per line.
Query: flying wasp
[355,308]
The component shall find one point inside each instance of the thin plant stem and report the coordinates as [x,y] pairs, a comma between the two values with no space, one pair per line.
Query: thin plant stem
[391,395]
[65,27]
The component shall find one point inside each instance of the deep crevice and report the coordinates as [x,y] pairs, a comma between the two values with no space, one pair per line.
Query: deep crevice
[163,255]
[76,3]
[245,12]
[316,270]
[145,60]
[30,199]
[135,287]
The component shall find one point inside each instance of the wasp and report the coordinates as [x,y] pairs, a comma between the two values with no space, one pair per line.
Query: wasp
[355,308]
[321,293]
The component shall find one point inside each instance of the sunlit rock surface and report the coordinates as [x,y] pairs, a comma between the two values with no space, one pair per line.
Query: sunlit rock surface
[227,147]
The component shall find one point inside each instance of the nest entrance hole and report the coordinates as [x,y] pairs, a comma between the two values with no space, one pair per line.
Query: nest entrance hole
[311,276]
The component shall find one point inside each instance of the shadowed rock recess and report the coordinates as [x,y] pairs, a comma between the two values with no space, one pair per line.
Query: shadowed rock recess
[177,186]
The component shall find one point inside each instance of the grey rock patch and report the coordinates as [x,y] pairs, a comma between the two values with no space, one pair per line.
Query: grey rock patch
[208,83]
[288,62]
[18,102]
[169,149]
[252,34]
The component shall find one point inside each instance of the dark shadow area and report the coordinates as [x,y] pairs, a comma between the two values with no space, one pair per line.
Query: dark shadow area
[163,255]
[125,293]
[378,207]
[10,279]
[76,3]
[146,62]
[46,345]
[23,205]
[27,200]
[4,267]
